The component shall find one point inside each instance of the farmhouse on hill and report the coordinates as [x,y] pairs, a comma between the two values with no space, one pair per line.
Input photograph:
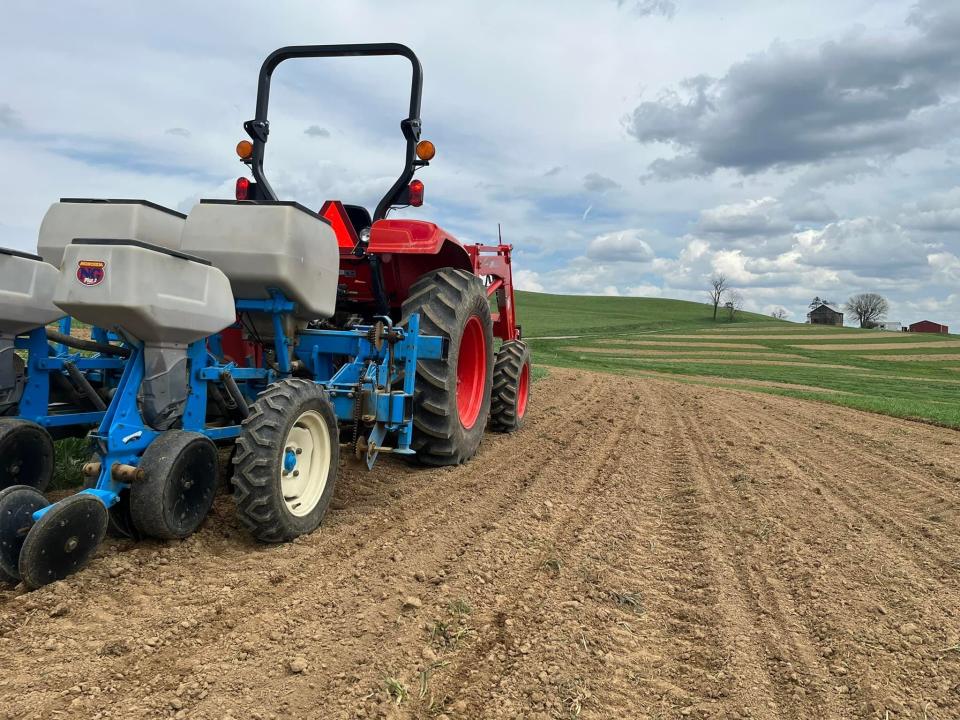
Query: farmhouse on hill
[823,314]
[928,326]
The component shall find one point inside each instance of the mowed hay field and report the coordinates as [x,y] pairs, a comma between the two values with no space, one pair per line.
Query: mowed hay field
[907,375]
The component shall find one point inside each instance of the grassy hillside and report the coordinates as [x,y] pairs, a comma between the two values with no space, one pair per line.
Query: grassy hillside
[551,315]
[902,374]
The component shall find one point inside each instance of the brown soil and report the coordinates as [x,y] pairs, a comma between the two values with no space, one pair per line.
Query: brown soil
[740,382]
[642,549]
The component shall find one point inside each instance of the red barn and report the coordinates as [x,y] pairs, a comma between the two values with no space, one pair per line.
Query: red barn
[927,326]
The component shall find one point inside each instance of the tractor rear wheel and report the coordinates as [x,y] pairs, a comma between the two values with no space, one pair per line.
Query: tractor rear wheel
[511,387]
[286,461]
[451,401]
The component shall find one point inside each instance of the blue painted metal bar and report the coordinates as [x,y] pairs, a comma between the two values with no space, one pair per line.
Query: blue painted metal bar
[64,327]
[44,360]
[67,419]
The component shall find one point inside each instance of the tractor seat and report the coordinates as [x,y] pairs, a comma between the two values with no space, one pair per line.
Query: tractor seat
[359,217]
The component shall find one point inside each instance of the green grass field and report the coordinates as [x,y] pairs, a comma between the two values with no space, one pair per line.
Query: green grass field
[906,375]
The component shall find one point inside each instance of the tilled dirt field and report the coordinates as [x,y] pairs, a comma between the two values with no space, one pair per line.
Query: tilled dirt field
[642,549]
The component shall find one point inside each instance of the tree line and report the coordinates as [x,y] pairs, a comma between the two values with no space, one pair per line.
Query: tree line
[868,308]
[721,292]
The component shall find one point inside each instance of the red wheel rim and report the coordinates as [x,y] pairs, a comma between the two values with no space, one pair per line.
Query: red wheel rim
[471,372]
[523,391]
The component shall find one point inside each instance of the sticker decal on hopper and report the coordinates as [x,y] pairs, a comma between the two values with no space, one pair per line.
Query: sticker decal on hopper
[90,272]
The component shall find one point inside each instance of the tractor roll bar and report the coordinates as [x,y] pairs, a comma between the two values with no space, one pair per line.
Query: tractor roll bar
[259,128]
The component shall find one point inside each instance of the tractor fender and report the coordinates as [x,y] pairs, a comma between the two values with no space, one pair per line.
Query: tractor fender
[408,249]
[417,237]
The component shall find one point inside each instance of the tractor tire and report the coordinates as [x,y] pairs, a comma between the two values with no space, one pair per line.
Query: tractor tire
[511,387]
[451,402]
[286,461]
[26,454]
[180,483]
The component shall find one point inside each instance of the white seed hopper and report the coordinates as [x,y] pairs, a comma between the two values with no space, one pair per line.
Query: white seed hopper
[264,246]
[26,292]
[72,218]
[160,296]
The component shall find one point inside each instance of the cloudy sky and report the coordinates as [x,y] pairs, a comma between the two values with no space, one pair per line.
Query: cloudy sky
[627,147]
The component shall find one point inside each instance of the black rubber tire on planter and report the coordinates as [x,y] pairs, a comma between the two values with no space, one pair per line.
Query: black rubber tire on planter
[181,477]
[26,454]
[282,416]
[446,300]
[510,371]
[17,505]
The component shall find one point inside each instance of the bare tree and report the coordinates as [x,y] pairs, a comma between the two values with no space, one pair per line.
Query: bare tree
[779,313]
[868,308]
[733,305]
[818,301]
[718,286]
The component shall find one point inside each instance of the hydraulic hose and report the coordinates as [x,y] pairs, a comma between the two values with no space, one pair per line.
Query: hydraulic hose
[89,345]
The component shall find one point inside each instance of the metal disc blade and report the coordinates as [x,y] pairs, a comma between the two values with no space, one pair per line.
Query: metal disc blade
[121,523]
[17,505]
[63,540]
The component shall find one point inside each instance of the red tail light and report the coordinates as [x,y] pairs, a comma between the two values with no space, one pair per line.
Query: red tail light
[243,188]
[416,193]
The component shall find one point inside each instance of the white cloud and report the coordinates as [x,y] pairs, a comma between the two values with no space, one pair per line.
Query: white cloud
[553,165]
[866,246]
[751,217]
[527,280]
[940,212]
[595,182]
[622,246]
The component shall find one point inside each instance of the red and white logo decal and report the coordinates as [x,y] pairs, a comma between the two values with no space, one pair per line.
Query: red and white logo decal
[91,272]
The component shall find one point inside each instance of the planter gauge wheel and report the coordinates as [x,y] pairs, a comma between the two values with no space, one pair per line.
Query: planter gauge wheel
[180,483]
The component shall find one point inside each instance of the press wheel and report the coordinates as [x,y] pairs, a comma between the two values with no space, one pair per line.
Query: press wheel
[63,540]
[17,505]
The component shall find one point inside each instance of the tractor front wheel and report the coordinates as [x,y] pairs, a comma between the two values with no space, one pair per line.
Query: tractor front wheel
[451,403]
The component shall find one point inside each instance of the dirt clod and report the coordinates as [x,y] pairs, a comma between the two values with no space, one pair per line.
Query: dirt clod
[412,602]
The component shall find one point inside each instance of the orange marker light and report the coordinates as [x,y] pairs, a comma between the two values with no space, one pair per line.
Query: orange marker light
[244,149]
[426,150]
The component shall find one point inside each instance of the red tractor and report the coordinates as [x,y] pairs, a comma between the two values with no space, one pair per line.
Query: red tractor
[392,268]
